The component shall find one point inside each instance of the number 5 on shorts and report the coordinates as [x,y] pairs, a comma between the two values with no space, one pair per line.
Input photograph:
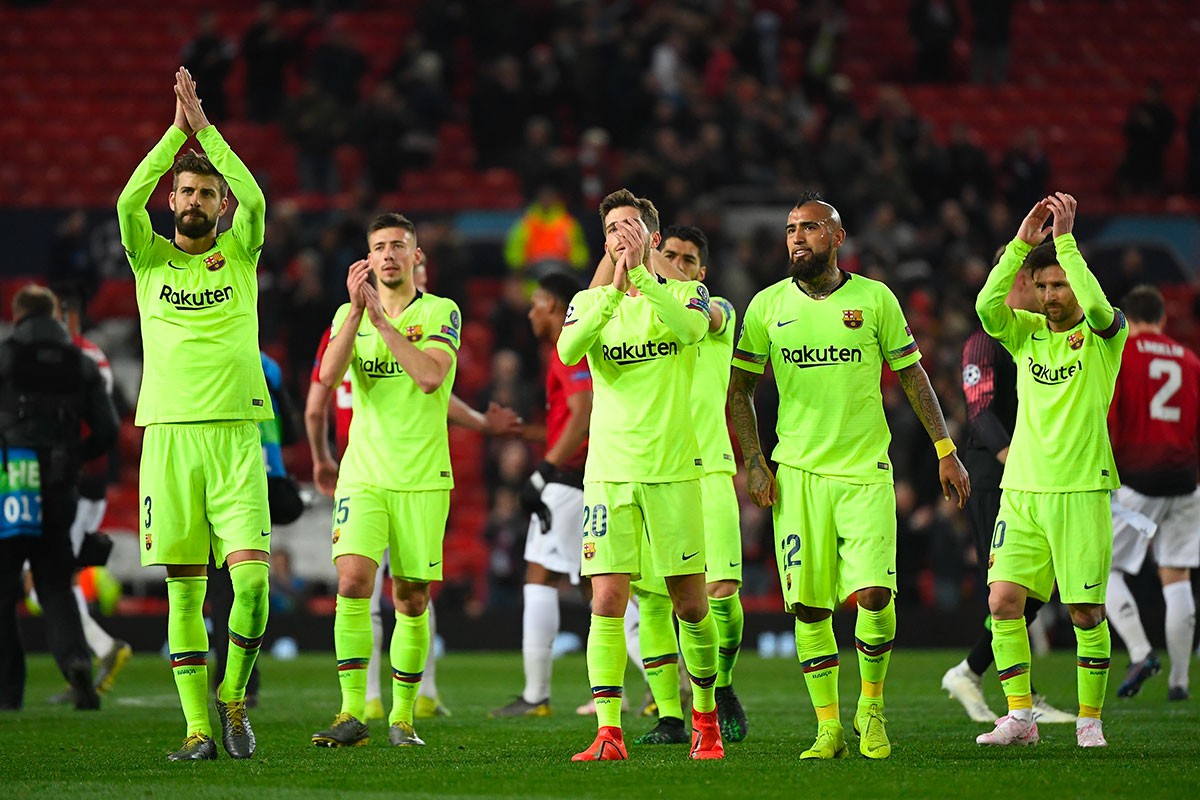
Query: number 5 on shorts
[342,512]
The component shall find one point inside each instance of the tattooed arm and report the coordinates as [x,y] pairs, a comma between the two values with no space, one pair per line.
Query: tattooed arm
[920,394]
[760,480]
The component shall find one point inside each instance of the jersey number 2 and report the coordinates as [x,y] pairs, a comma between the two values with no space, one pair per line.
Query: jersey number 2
[1159,408]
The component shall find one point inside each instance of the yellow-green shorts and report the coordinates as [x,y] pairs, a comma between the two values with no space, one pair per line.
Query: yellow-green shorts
[643,529]
[203,486]
[832,538]
[368,520]
[1042,536]
[722,534]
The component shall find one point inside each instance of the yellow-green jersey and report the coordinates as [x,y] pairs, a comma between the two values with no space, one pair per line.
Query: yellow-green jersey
[828,358]
[398,434]
[709,389]
[199,313]
[642,354]
[1065,379]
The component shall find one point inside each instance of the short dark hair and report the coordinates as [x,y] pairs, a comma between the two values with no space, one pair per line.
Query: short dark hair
[198,164]
[32,300]
[391,219]
[1144,303]
[559,285]
[1040,257]
[812,196]
[623,197]
[689,233]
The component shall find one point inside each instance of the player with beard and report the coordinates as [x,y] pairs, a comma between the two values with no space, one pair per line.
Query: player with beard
[828,334]
[203,484]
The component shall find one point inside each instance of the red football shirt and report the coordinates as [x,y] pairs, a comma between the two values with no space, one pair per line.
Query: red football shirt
[343,409]
[562,382]
[1154,416]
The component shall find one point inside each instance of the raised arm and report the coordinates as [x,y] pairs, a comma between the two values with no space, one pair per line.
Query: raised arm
[687,317]
[249,220]
[994,313]
[1099,313]
[921,397]
[589,312]
[132,217]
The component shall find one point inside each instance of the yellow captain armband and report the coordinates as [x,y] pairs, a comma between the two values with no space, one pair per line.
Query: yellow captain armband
[944,447]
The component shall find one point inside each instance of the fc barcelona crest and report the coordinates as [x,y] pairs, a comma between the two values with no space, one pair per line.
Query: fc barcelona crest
[589,551]
[149,541]
[1075,340]
[852,318]
[214,262]
[413,333]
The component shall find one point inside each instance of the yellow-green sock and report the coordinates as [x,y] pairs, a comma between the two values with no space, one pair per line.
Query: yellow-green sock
[874,634]
[660,652]
[698,643]
[352,639]
[1093,646]
[817,650]
[1010,644]
[247,623]
[187,639]
[606,667]
[410,646]
[727,611]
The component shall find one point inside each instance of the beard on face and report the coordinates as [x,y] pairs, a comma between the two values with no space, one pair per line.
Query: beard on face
[193,227]
[393,283]
[809,269]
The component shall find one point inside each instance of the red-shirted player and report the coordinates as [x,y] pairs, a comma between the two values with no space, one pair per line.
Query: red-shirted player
[1153,423]
[553,496]
[498,420]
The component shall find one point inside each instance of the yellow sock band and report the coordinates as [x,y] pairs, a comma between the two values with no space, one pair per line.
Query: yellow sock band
[872,689]
[827,713]
[1090,712]
[1020,701]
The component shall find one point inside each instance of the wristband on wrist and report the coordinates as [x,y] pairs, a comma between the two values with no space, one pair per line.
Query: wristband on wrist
[944,447]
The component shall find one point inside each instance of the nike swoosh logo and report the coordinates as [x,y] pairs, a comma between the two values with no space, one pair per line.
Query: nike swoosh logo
[735,563]
[781,324]
[265,533]
[1087,585]
[1037,338]
[173,265]
[433,564]
[687,556]
[891,572]
[363,334]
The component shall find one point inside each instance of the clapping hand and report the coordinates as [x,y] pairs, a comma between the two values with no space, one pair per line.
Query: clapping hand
[185,92]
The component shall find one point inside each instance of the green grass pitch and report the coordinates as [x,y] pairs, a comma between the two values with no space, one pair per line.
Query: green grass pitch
[120,752]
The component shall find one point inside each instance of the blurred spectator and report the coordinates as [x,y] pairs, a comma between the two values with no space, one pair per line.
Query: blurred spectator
[385,128]
[267,50]
[336,65]
[894,124]
[1025,171]
[540,159]
[1148,131]
[596,163]
[510,326]
[209,57]
[505,533]
[546,237]
[991,36]
[315,124]
[499,106]
[970,168]
[933,24]
[289,592]
[72,271]
[1192,132]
